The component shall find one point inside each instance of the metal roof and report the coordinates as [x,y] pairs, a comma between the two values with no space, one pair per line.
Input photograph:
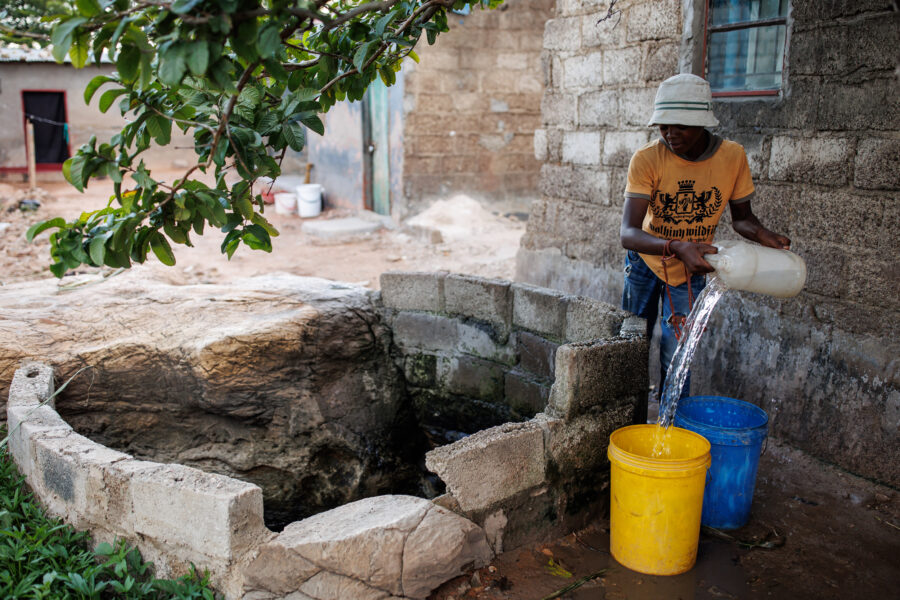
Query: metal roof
[17,54]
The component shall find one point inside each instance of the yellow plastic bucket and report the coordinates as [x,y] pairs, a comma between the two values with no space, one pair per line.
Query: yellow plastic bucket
[656,503]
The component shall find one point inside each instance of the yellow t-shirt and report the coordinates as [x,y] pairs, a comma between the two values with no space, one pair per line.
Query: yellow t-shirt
[687,198]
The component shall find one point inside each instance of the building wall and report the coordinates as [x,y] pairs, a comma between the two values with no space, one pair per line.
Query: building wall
[824,156]
[472,105]
[84,120]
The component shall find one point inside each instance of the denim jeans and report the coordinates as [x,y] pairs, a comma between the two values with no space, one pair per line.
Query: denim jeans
[642,295]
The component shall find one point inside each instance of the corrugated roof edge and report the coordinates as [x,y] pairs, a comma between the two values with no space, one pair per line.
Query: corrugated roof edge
[13,54]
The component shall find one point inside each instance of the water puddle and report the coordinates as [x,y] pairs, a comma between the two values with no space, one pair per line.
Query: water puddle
[694,326]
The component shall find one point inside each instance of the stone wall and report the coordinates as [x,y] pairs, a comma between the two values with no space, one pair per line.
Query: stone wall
[555,374]
[472,105]
[824,155]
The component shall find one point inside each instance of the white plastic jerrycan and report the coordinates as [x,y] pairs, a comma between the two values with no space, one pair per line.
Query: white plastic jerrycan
[754,268]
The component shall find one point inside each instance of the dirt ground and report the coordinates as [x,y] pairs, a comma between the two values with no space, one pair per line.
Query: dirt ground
[489,250]
[815,532]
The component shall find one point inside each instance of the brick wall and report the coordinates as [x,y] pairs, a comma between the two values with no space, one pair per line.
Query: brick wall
[824,157]
[472,105]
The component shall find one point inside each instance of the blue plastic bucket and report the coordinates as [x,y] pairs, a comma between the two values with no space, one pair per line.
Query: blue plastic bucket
[736,431]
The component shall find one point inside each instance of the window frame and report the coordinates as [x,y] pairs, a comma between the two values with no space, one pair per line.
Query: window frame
[708,30]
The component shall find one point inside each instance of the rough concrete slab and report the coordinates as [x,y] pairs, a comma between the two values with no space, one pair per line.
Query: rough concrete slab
[491,465]
[347,227]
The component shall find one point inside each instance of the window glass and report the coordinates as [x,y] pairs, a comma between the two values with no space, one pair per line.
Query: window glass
[724,12]
[745,44]
[746,59]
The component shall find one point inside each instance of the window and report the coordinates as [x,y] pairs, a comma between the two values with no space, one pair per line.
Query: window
[745,46]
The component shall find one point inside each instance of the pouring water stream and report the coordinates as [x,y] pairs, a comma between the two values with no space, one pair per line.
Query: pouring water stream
[694,326]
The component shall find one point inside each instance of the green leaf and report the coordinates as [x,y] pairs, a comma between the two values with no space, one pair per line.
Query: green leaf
[109,96]
[294,136]
[244,42]
[431,34]
[180,7]
[58,269]
[257,238]
[80,49]
[128,63]
[314,123]
[88,8]
[161,248]
[61,37]
[93,85]
[243,206]
[413,56]
[269,40]
[260,220]
[198,59]
[362,54]
[37,228]
[160,128]
[384,22]
[97,250]
[74,173]
[173,64]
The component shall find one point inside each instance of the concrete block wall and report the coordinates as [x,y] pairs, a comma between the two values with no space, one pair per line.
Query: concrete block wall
[553,374]
[472,105]
[824,157]
[176,515]
[479,352]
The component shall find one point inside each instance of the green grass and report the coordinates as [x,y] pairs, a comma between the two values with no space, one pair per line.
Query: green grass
[44,558]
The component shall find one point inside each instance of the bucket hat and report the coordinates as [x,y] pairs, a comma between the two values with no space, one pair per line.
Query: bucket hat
[683,99]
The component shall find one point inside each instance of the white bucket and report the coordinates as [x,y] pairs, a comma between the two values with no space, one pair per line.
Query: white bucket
[285,203]
[309,200]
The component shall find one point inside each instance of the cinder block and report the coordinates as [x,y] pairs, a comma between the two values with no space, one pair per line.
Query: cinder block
[492,465]
[480,298]
[622,65]
[619,146]
[413,291]
[540,144]
[32,384]
[422,331]
[654,21]
[584,71]
[821,160]
[540,310]
[599,109]
[661,62]
[579,447]
[536,354]
[588,319]
[878,164]
[213,514]
[559,109]
[581,147]
[563,34]
[471,377]
[483,341]
[420,369]
[600,31]
[607,374]
[524,394]
[637,106]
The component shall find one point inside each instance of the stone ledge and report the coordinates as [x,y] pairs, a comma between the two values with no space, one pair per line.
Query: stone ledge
[480,298]
[491,465]
[540,310]
[407,290]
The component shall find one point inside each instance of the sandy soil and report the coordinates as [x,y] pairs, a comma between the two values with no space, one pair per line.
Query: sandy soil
[357,260]
[834,535]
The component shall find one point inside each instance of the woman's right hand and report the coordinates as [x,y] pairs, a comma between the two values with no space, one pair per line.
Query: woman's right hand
[692,253]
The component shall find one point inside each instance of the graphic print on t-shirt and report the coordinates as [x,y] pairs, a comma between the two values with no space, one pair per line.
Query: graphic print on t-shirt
[687,206]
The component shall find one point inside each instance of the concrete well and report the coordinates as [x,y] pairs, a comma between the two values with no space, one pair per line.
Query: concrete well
[515,387]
